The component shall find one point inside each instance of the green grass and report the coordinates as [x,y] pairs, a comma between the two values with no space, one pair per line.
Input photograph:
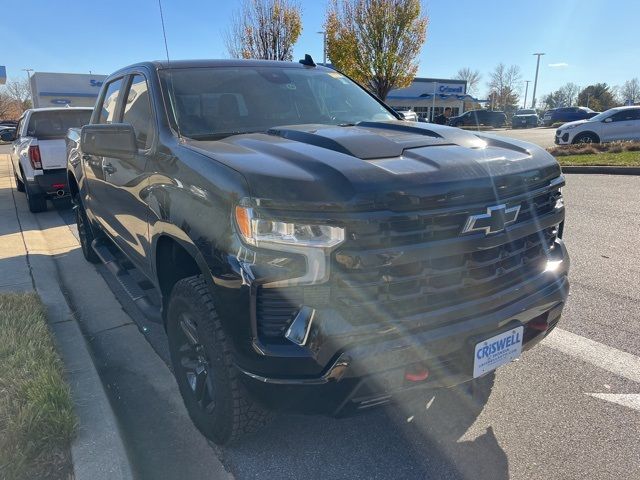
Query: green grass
[37,421]
[621,159]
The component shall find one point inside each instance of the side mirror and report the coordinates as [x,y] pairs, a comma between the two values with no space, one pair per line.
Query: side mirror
[608,120]
[7,136]
[116,140]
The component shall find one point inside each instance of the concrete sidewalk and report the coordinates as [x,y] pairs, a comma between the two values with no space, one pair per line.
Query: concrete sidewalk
[15,275]
[27,263]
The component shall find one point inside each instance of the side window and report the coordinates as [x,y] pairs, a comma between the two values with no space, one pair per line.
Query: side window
[137,112]
[110,101]
[626,115]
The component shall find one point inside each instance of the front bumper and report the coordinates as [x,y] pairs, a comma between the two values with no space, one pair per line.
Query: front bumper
[371,370]
[562,138]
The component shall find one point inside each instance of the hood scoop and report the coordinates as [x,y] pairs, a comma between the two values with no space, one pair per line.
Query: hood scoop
[366,141]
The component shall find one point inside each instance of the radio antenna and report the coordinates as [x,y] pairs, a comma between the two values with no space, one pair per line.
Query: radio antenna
[173,93]
[164,32]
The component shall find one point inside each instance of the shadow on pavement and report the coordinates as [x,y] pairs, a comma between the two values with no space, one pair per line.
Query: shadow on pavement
[394,442]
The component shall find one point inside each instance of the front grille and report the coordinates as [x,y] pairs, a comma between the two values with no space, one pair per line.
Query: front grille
[421,227]
[366,294]
[399,291]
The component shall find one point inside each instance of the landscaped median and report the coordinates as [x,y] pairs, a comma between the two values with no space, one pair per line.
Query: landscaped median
[37,420]
[616,154]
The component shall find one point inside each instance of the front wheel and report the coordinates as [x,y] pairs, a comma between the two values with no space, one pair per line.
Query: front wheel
[217,401]
[586,137]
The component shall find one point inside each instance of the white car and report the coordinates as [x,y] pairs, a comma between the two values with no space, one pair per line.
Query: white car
[39,153]
[616,124]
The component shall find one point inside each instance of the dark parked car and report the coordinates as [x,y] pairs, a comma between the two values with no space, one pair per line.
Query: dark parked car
[305,249]
[567,114]
[479,117]
[7,133]
[525,118]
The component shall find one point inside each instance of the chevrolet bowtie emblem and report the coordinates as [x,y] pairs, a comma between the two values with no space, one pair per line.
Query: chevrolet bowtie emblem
[495,220]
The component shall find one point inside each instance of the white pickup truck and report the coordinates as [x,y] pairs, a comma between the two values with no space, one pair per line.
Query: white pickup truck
[39,155]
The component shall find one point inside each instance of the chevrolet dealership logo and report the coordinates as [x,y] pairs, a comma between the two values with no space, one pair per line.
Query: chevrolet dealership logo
[495,220]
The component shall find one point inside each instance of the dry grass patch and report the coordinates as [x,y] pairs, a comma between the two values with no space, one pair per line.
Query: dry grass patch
[37,421]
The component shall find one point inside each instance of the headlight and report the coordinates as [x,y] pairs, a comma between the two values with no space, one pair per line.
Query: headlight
[263,233]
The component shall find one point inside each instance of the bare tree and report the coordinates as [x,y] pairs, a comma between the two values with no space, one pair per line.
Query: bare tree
[472,77]
[505,84]
[6,105]
[630,91]
[19,91]
[569,93]
[376,42]
[265,29]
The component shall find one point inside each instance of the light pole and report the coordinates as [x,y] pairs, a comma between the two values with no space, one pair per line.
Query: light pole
[535,83]
[433,101]
[324,47]
[526,90]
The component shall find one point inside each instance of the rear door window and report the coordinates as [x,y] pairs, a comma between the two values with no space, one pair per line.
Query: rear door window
[52,124]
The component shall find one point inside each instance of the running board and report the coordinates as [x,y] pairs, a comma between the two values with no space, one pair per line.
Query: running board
[126,281]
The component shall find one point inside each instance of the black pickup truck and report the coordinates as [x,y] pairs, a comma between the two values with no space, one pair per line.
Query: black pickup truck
[305,248]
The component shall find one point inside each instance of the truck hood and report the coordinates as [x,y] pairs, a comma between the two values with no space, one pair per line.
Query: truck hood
[378,164]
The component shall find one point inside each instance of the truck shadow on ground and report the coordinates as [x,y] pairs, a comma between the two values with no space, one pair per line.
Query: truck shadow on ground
[402,441]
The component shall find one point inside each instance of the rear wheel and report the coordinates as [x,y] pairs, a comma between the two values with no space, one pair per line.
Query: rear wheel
[19,183]
[217,401]
[586,137]
[85,232]
[37,202]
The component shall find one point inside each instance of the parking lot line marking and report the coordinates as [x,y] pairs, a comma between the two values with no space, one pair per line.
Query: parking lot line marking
[630,400]
[598,354]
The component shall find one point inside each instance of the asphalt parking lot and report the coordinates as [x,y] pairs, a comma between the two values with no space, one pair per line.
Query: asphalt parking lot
[568,409]
[542,136]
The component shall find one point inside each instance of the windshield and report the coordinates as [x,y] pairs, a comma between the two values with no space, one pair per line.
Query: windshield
[212,103]
[601,116]
[50,124]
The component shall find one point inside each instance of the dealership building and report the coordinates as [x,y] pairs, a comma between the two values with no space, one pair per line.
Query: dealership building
[60,89]
[428,97]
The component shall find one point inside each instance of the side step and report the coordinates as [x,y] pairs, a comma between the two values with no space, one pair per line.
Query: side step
[104,250]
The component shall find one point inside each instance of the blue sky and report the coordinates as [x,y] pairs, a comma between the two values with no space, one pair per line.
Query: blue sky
[588,40]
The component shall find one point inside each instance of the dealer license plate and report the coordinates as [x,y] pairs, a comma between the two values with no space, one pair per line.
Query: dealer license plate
[496,351]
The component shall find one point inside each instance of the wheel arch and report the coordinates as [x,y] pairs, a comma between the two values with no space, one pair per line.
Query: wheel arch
[591,133]
[176,257]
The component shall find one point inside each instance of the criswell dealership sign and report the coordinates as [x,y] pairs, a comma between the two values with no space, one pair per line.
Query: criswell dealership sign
[450,88]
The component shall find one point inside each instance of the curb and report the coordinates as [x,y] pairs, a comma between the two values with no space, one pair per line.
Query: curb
[97,451]
[604,170]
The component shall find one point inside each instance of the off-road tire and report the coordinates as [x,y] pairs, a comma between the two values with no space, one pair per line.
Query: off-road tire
[230,412]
